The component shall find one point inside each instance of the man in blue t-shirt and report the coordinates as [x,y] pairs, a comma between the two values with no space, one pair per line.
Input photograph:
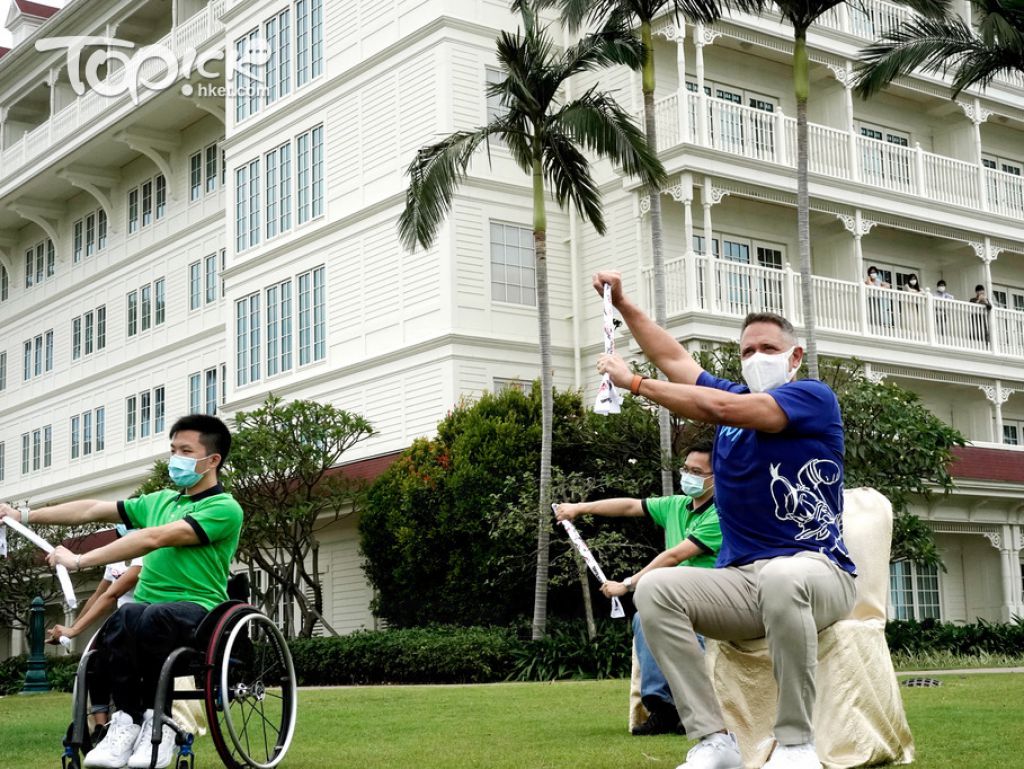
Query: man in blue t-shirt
[783,571]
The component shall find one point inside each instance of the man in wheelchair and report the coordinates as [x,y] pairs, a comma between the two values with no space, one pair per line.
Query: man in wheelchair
[189,539]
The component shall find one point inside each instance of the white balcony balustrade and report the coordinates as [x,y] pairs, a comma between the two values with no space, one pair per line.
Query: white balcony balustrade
[696,282]
[771,137]
[88,109]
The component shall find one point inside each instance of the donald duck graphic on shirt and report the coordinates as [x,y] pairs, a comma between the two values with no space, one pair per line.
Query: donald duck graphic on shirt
[805,504]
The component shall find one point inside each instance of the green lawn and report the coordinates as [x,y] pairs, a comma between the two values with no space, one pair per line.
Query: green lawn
[971,721]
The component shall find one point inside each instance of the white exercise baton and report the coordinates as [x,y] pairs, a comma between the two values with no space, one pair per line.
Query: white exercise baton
[62,573]
[608,399]
[592,564]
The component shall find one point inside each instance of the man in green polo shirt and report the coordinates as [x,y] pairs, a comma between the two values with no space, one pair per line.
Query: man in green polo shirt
[692,538]
[189,538]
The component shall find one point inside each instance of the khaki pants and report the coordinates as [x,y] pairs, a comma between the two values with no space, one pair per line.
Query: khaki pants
[787,600]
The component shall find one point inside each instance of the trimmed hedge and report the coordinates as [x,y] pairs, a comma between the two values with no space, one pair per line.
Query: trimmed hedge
[60,671]
[912,637]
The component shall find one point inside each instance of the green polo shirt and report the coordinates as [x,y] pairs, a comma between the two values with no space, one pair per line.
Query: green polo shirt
[195,573]
[680,521]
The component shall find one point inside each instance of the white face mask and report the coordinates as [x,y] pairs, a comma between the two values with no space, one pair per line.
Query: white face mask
[690,484]
[763,372]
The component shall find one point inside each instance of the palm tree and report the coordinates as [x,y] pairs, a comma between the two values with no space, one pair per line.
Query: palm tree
[949,44]
[627,15]
[802,14]
[546,138]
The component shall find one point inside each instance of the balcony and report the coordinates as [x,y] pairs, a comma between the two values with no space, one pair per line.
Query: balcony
[91,108]
[696,283]
[690,118]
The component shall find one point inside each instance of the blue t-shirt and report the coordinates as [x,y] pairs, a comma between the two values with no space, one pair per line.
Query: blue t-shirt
[782,493]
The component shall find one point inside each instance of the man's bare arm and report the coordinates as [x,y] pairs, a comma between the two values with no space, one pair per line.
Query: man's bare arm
[69,513]
[138,543]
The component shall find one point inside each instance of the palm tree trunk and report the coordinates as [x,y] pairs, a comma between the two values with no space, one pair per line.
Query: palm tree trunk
[657,250]
[540,248]
[588,603]
[802,85]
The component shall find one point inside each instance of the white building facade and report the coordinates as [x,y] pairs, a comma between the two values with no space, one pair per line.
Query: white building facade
[196,246]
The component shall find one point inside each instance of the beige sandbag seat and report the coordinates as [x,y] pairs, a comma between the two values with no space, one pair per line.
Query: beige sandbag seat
[858,717]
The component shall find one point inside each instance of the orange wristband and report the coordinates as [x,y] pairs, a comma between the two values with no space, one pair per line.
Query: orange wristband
[634,386]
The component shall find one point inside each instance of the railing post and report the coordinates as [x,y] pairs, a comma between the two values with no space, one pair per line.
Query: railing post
[855,168]
[703,119]
[683,110]
[690,276]
[993,332]
[930,318]
[788,301]
[710,278]
[782,140]
[919,166]
[862,309]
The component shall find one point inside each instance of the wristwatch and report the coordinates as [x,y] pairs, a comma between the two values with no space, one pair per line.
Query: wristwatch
[628,582]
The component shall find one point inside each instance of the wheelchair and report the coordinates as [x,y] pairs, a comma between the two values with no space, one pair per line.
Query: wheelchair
[246,680]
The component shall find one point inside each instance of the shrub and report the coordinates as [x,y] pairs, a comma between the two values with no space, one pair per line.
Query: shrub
[910,637]
[567,653]
[12,674]
[59,670]
[438,654]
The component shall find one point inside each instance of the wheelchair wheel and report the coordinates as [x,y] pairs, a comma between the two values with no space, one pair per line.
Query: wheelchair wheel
[250,691]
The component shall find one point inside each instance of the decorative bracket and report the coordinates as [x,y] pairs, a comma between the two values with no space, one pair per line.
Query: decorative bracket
[98,182]
[7,245]
[672,32]
[975,112]
[213,107]
[46,215]
[875,377]
[704,35]
[844,74]
[645,205]
[680,193]
[155,145]
[996,395]
[856,225]
[993,537]
[714,195]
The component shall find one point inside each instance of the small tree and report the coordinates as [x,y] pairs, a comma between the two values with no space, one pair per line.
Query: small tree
[281,462]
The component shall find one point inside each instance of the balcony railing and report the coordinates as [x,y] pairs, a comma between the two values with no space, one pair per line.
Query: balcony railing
[838,154]
[87,109]
[720,287]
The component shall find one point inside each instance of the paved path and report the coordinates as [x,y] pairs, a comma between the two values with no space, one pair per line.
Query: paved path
[964,672]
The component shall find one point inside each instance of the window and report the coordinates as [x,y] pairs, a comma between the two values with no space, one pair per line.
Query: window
[501,384]
[312,325]
[38,355]
[308,40]
[512,264]
[3,460]
[76,338]
[36,450]
[885,161]
[77,242]
[89,234]
[194,384]
[3,371]
[133,211]
[247,206]
[309,155]
[75,446]
[147,306]
[147,210]
[101,427]
[144,414]
[1013,432]
[913,591]
[211,168]
[194,286]
[495,109]
[211,278]
[277,32]
[40,263]
[279,190]
[202,392]
[90,329]
[5,284]
[279,328]
[195,176]
[247,339]
[247,76]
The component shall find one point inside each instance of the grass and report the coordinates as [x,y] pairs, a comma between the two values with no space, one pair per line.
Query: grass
[950,661]
[566,725]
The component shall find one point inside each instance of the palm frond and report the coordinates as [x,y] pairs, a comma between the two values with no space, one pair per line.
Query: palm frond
[803,13]
[434,174]
[932,45]
[567,171]
[597,122]
[929,9]
[610,46]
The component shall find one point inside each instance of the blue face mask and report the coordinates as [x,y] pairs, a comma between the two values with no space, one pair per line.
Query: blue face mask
[691,485]
[183,471]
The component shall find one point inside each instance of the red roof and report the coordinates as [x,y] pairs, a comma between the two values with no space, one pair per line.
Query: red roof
[986,464]
[35,9]
[368,469]
[3,51]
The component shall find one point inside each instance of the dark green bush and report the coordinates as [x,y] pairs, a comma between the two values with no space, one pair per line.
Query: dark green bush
[912,637]
[60,670]
[439,654]
[567,652]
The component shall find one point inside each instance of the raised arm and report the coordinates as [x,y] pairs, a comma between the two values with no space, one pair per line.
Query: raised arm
[660,347]
[138,543]
[608,508]
[102,606]
[67,514]
[672,557]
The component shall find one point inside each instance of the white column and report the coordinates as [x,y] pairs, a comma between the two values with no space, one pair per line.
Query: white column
[997,395]
[978,115]
[702,36]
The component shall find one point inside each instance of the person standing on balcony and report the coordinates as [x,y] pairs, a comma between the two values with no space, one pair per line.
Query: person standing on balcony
[783,572]
[941,292]
[941,315]
[880,311]
[979,323]
[692,538]
[913,285]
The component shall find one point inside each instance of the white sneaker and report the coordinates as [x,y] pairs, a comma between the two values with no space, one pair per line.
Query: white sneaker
[716,751]
[794,757]
[117,746]
[143,753]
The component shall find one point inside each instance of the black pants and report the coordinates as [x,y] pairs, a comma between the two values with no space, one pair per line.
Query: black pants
[139,637]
